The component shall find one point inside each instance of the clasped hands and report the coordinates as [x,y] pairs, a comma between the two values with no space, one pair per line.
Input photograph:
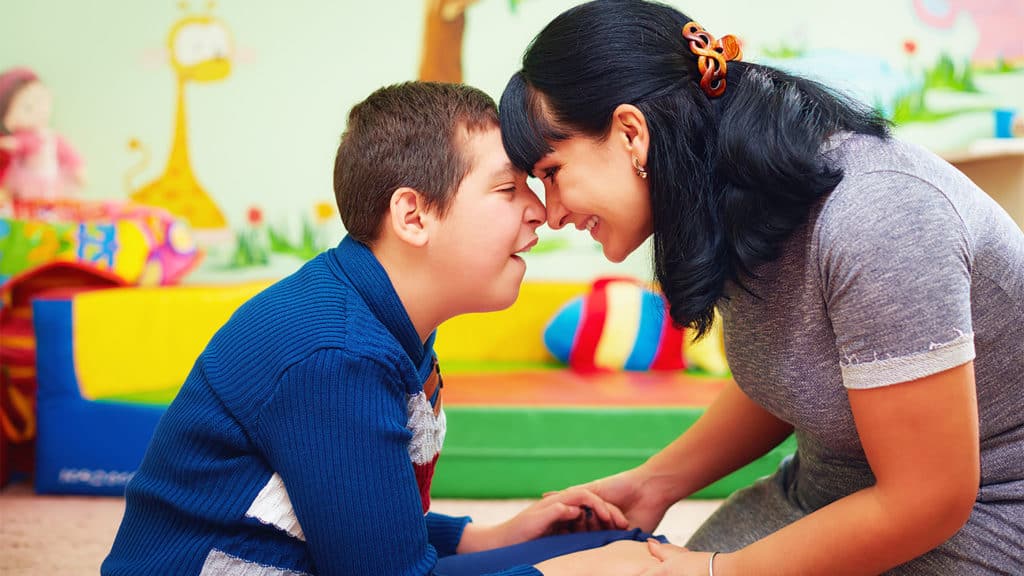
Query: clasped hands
[580,509]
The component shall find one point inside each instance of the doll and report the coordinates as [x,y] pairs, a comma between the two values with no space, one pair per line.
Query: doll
[36,163]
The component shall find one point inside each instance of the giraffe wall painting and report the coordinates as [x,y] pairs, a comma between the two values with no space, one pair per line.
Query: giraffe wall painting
[200,49]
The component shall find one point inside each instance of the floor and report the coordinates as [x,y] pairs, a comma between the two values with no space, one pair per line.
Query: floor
[57,535]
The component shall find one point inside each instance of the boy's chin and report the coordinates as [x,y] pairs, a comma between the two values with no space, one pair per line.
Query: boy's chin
[499,299]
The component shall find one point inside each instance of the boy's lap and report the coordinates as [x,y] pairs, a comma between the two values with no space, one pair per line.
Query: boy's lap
[533,552]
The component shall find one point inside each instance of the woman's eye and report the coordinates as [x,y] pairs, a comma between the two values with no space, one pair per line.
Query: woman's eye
[549,174]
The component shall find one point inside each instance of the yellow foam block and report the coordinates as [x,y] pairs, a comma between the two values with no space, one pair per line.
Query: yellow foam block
[133,340]
[515,334]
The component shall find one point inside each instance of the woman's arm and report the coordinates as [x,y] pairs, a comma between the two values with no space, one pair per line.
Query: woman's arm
[921,440]
[733,432]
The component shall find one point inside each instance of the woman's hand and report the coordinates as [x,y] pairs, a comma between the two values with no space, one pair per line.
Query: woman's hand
[573,510]
[676,561]
[622,558]
[631,491]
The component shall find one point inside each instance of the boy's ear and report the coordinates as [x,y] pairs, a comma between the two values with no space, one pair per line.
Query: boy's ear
[631,125]
[408,215]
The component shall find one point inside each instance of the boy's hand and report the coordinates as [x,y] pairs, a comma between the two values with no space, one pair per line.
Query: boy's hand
[573,510]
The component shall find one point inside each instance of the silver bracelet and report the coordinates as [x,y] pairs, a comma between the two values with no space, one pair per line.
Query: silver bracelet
[711,564]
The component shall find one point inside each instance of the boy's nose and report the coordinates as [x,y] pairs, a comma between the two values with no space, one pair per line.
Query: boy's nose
[535,213]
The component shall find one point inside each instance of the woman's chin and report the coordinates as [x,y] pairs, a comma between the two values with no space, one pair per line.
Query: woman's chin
[613,255]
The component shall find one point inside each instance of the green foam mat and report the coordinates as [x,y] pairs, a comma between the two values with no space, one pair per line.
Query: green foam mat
[523,452]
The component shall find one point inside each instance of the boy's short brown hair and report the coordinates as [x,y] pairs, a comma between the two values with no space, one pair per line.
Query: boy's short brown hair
[410,134]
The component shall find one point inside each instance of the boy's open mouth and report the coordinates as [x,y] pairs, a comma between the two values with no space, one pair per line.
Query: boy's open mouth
[527,247]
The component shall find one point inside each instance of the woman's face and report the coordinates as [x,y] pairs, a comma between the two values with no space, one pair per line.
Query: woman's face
[591,184]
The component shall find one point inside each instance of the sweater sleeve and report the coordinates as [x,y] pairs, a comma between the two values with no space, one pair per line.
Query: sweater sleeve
[335,433]
[445,532]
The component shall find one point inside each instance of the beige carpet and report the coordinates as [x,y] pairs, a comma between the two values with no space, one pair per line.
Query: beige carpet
[57,535]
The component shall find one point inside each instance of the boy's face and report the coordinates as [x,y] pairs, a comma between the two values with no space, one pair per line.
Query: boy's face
[493,216]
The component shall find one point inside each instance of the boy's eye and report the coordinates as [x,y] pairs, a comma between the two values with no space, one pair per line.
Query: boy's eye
[549,174]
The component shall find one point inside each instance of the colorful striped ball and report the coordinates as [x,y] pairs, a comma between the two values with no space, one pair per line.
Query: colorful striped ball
[618,325]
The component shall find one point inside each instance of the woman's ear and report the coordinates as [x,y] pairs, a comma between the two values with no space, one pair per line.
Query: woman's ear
[630,127]
[408,216]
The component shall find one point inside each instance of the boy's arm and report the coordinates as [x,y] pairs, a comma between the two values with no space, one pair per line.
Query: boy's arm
[335,433]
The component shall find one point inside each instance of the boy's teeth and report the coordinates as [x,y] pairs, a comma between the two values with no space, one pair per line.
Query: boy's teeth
[591,223]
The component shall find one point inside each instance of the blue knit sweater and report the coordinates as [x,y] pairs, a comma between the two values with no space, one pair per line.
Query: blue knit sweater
[308,387]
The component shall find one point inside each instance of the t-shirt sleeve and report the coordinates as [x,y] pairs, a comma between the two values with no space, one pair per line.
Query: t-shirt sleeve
[895,261]
[335,431]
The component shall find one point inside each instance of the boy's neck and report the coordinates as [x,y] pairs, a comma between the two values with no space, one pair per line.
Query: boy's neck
[416,286]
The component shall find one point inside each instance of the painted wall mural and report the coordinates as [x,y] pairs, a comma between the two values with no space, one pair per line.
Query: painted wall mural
[443,30]
[999,40]
[254,126]
[199,49]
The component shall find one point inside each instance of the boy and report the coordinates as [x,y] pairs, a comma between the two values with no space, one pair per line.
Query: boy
[305,437]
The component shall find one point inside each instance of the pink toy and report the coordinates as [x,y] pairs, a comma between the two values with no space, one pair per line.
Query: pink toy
[36,163]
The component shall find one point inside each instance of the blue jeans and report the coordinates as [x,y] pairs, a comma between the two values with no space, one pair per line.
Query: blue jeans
[533,552]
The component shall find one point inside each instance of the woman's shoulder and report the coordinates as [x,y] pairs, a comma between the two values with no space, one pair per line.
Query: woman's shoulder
[887,182]
[858,155]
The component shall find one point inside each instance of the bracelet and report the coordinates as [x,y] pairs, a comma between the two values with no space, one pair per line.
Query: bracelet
[711,564]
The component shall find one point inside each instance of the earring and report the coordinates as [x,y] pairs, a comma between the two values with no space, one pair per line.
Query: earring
[640,171]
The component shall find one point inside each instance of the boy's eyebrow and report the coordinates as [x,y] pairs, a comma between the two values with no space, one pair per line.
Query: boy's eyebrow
[506,169]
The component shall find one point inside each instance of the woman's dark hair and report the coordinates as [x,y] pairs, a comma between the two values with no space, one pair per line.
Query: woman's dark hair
[730,178]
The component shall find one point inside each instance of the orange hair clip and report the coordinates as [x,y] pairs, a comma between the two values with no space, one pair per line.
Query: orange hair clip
[712,55]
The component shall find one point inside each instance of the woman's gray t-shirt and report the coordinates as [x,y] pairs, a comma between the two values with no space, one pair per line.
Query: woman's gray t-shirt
[906,269]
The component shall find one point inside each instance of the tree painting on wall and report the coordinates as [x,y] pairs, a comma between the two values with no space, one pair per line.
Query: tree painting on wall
[441,59]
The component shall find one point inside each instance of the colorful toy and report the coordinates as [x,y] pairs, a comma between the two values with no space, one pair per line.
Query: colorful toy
[142,245]
[619,325]
[35,161]
[622,325]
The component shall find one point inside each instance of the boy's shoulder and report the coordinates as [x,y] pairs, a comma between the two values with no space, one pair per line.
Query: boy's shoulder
[313,309]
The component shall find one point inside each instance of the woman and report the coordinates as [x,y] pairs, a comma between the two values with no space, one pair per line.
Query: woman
[872,298]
